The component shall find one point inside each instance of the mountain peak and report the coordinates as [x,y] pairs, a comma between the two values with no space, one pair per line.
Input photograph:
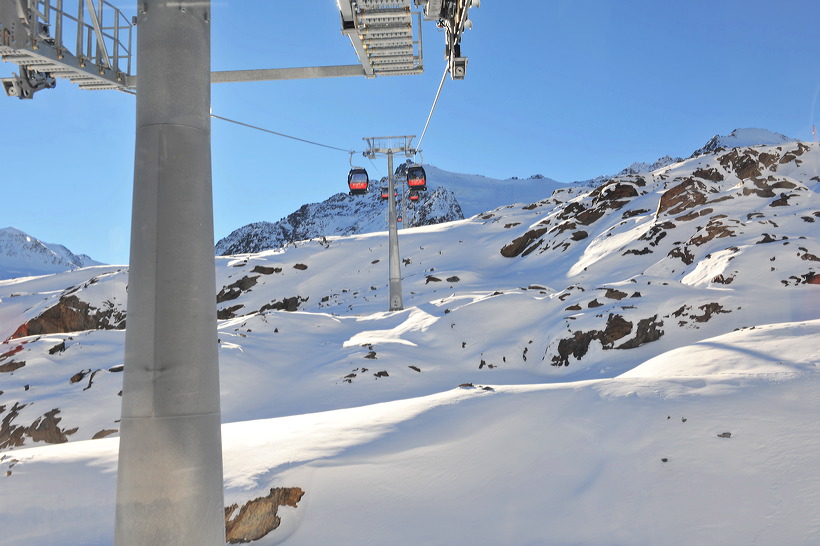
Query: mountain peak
[22,255]
[743,137]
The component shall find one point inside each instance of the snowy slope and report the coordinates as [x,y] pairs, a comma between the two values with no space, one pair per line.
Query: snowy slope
[629,460]
[22,255]
[588,285]
[599,318]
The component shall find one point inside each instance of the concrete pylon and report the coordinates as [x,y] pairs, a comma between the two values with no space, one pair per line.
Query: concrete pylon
[169,482]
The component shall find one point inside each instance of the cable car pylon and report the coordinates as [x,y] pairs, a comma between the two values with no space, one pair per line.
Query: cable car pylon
[388,146]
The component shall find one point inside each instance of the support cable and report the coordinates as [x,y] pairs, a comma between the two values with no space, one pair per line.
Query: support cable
[440,85]
[282,134]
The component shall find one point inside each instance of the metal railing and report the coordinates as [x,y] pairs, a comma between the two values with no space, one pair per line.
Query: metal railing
[100,32]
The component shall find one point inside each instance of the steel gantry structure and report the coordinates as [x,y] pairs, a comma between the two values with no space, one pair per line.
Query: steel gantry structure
[92,44]
[169,479]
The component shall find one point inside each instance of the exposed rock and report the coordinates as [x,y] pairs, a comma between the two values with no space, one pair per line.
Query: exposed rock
[43,429]
[522,245]
[287,304]
[683,253]
[715,229]
[613,294]
[258,517]
[11,366]
[614,190]
[235,289]
[616,328]
[720,279]
[575,346]
[647,331]
[782,201]
[300,267]
[708,310]
[743,163]
[708,174]
[79,376]
[689,193]
[72,315]
[266,270]
[228,312]
[103,433]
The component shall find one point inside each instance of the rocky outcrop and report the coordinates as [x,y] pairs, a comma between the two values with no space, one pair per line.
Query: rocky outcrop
[44,429]
[616,328]
[71,314]
[259,516]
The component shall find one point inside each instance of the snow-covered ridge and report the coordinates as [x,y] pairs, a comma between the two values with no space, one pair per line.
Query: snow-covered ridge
[23,255]
[340,214]
[450,196]
[743,137]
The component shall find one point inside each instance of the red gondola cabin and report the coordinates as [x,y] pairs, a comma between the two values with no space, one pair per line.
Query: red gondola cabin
[416,178]
[357,181]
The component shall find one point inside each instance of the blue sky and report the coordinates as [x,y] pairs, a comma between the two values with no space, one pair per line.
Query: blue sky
[566,89]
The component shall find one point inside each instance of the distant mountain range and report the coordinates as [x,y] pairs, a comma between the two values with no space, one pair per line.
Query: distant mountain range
[22,255]
[450,196]
[453,196]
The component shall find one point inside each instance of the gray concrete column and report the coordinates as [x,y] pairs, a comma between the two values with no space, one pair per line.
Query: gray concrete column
[169,482]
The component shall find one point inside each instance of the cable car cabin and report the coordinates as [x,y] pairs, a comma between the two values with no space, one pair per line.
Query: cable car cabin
[416,178]
[385,192]
[357,181]
[413,195]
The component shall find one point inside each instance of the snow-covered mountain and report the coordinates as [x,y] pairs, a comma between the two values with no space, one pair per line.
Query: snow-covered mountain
[341,214]
[637,167]
[450,196]
[743,137]
[22,255]
[649,346]
[454,196]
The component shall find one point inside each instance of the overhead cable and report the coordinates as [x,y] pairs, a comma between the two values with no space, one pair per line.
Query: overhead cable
[430,115]
[282,134]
